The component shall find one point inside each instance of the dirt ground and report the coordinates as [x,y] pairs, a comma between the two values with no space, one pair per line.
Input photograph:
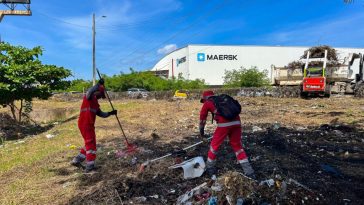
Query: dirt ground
[312,149]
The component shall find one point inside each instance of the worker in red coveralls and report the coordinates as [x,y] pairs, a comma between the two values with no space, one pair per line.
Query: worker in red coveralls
[86,123]
[224,128]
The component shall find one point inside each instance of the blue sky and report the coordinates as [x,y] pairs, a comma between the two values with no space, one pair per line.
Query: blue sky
[137,33]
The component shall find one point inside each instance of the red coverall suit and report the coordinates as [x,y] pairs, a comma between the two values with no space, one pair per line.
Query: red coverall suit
[224,128]
[86,124]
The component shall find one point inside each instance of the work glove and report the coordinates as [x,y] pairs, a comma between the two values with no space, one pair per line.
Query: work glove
[114,112]
[101,81]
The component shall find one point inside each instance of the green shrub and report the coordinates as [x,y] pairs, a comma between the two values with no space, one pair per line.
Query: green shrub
[246,78]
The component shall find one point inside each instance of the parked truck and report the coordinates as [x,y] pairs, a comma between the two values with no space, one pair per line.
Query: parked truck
[323,80]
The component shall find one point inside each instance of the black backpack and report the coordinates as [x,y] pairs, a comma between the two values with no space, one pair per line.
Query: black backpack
[226,106]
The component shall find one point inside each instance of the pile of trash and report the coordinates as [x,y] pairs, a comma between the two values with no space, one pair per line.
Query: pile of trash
[235,188]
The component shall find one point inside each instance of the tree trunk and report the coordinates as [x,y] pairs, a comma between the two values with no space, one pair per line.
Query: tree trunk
[20,110]
[12,108]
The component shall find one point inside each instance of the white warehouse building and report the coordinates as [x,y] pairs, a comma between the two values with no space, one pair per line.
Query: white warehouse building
[209,62]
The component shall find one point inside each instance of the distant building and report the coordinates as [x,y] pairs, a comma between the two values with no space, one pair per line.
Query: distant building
[209,62]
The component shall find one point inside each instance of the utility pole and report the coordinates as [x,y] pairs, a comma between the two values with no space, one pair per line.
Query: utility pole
[93,51]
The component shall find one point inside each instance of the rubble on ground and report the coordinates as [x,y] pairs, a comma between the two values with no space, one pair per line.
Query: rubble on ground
[294,166]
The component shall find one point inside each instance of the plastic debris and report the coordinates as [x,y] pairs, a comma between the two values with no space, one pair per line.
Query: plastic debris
[50,136]
[269,182]
[202,197]
[134,160]
[120,154]
[216,187]
[212,201]
[239,201]
[229,200]
[140,199]
[256,129]
[72,146]
[154,196]
[331,170]
[192,168]
[300,185]
[188,195]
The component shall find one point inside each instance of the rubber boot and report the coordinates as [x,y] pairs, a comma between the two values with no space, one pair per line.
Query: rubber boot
[77,161]
[211,168]
[248,170]
[90,166]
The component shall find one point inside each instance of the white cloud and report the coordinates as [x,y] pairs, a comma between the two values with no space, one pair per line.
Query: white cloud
[167,49]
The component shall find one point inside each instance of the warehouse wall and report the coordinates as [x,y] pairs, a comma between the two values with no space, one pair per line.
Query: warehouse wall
[217,59]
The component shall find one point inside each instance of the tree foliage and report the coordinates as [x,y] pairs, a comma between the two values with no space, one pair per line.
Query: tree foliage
[246,78]
[24,77]
[79,85]
[146,80]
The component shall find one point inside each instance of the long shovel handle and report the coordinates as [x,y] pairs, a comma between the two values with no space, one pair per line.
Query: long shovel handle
[108,97]
[170,154]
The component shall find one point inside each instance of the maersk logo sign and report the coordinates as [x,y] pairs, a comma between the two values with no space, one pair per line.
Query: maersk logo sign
[201,57]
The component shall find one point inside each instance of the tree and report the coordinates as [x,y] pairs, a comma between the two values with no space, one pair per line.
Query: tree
[24,77]
[79,85]
[246,78]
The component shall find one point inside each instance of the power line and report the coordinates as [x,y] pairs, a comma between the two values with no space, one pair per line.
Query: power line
[180,19]
[181,31]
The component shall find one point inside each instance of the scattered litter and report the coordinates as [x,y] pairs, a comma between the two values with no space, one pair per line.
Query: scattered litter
[240,201]
[346,154]
[72,146]
[216,187]
[256,129]
[172,191]
[50,136]
[65,185]
[269,182]
[202,197]
[300,185]
[140,199]
[20,142]
[185,197]
[229,200]
[120,154]
[134,160]
[329,169]
[192,168]
[212,201]
[154,196]
[276,126]
[255,158]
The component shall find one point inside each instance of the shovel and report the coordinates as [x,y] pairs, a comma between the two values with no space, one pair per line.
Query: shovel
[130,148]
[169,154]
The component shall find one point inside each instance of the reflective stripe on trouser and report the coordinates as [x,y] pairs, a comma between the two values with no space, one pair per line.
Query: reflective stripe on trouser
[89,137]
[220,133]
[88,109]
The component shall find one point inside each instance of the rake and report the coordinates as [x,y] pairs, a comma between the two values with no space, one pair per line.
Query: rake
[130,148]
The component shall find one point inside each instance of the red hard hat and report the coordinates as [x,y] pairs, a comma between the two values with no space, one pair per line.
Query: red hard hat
[206,94]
